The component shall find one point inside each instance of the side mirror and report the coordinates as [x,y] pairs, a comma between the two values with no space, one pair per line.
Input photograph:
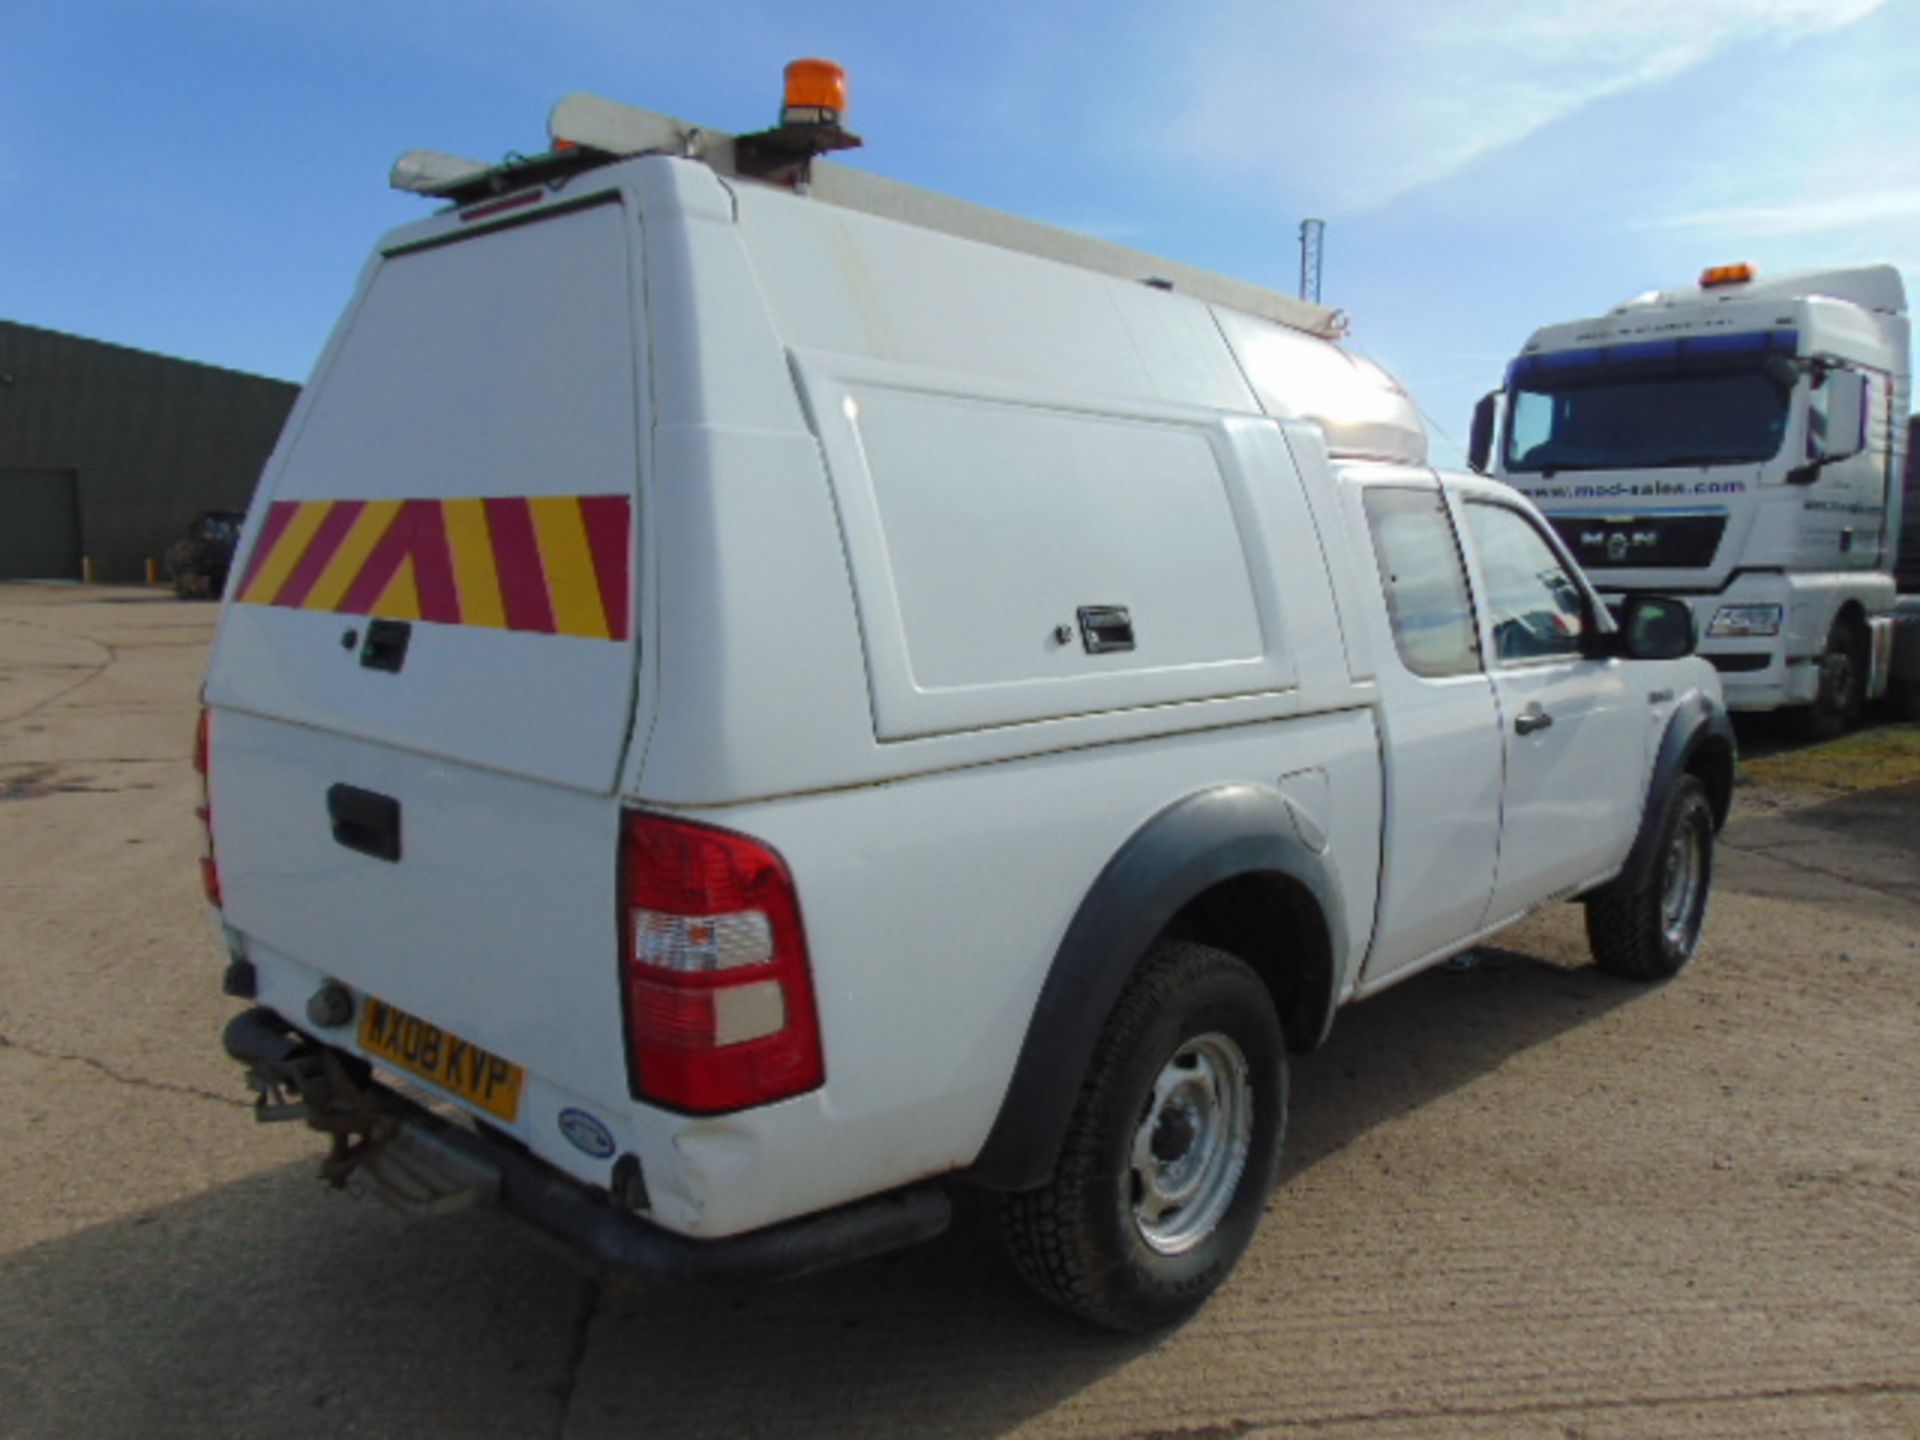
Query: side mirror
[1480,441]
[1837,418]
[1656,627]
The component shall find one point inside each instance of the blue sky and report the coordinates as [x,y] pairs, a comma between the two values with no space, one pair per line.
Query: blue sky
[204,177]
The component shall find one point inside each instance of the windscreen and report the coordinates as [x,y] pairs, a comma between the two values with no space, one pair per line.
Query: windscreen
[1716,400]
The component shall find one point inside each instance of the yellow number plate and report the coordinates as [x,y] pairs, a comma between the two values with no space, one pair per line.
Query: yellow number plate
[439,1056]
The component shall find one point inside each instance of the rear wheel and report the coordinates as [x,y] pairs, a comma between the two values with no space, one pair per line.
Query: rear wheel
[1843,683]
[1650,929]
[1172,1150]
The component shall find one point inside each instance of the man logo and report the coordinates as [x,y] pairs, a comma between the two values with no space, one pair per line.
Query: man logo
[1618,544]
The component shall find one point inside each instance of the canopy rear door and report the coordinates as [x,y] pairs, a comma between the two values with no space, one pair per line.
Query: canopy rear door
[443,556]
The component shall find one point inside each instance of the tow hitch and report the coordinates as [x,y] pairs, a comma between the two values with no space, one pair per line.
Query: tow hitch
[375,1146]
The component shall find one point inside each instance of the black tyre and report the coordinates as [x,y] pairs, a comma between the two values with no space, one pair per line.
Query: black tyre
[1173,1147]
[1843,684]
[1650,930]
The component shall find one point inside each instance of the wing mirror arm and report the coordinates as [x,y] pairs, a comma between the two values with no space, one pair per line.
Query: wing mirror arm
[1598,644]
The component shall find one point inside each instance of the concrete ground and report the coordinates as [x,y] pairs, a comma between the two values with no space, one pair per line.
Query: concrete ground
[1521,1198]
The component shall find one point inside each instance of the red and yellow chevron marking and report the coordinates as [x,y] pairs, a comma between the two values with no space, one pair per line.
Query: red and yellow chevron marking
[552,564]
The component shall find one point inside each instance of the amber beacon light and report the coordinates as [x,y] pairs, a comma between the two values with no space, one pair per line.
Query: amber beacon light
[810,110]
[816,93]
[1725,275]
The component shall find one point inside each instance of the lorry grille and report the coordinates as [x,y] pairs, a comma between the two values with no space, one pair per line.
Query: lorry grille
[1616,542]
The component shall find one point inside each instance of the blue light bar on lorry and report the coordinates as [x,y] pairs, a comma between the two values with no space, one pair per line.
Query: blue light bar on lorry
[1692,354]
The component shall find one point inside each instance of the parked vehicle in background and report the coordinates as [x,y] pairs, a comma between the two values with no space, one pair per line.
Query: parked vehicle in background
[199,560]
[808,698]
[1739,442]
[1907,565]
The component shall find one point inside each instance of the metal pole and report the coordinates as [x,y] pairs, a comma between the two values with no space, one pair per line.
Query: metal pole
[1312,242]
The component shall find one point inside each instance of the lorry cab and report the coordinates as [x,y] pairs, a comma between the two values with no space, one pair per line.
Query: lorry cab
[1739,441]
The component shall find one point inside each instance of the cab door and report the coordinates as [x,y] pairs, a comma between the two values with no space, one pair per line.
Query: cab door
[1572,738]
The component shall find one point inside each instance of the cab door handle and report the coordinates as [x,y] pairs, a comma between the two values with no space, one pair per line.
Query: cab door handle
[1531,719]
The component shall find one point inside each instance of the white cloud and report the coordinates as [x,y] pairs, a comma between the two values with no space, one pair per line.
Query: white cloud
[1816,216]
[1350,105]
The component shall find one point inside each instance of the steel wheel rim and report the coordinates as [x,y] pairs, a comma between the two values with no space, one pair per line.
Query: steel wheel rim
[1685,879]
[1190,1148]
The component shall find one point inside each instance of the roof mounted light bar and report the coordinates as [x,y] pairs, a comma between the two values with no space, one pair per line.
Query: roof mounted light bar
[440,176]
[588,131]
[430,172]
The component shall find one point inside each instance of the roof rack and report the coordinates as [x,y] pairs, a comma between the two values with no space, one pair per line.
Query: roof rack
[589,131]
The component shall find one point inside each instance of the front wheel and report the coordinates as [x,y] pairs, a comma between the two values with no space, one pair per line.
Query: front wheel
[1649,930]
[1172,1150]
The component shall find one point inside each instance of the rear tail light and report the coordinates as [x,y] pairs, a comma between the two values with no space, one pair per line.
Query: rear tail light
[719,991]
[202,743]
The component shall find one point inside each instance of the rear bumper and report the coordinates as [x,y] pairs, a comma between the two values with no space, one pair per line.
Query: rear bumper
[586,1220]
[594,1227]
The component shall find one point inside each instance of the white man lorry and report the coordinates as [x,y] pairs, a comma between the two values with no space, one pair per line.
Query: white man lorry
[743,710]
[1738,442]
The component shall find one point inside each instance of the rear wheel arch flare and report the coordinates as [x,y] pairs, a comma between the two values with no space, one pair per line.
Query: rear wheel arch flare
[1273,922]
[1215,866]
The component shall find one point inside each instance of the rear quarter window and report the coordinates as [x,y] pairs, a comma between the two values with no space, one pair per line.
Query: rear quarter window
[1424,581]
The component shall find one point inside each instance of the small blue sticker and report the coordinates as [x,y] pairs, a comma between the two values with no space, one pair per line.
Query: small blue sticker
[586,1133]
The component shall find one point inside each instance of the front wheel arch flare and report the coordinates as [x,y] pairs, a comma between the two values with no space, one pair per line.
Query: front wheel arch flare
[1698,740]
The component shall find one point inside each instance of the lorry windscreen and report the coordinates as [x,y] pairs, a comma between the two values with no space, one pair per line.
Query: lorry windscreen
[1644,406]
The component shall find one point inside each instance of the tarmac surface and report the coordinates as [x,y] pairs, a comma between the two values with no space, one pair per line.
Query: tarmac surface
[1521,1198]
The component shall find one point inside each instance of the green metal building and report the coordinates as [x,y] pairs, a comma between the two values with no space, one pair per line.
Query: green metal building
[107,452]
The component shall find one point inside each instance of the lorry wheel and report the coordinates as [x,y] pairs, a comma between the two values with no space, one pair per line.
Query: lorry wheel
[1172,1150]
[1649,930]
[1843,684]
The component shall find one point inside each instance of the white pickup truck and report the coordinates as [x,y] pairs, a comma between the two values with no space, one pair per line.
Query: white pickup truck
[740,712]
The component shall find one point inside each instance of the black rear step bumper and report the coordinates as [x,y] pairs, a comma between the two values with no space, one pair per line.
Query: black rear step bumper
[588,1222]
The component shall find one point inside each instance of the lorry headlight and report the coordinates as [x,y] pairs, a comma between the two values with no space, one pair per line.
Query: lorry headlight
[1742,621]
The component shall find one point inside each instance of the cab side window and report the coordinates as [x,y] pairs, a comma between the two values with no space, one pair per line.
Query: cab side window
[1425,582]
[1535,607]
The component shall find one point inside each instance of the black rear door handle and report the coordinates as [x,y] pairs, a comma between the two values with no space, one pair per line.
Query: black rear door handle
[365,820]
[1531,719]
[386,645]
